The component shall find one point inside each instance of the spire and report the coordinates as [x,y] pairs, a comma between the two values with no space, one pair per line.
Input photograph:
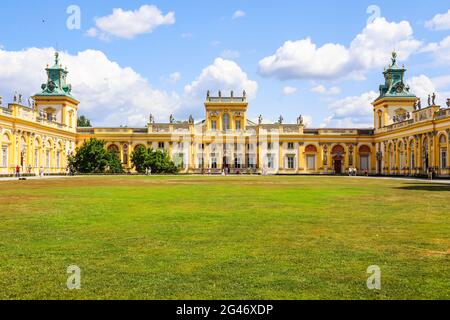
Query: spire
[56,58]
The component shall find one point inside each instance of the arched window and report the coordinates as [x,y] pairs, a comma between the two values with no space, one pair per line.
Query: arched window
[443,152]
[379,114]
[226,121]
[412,161]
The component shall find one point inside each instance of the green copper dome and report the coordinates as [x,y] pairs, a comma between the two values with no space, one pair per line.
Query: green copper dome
[56,81]
[394,85]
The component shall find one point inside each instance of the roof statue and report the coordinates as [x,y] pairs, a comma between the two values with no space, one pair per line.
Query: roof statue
[280,120]
[260,119]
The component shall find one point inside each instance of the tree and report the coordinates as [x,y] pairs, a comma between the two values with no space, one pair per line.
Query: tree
[84,122]
[158,160]
[140,159]
[92,157]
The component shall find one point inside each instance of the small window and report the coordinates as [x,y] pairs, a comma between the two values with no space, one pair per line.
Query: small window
[443,158]
[290,162]
[237,163]
[290,145]
[213,125]
[270,162]
[4,156]
[238,125]
[161,145]
[213,163]
[269,145]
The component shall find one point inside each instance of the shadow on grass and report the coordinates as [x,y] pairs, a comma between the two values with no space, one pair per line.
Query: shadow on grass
[426,187]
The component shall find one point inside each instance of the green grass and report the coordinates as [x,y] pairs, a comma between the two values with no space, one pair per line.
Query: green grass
[224,238]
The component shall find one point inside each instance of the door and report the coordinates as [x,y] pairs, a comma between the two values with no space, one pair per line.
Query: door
[337,166]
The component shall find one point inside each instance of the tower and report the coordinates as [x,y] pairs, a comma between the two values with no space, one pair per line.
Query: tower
[226,113]
[395,103]
[55,102]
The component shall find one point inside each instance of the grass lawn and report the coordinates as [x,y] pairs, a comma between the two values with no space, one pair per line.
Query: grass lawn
[224,238]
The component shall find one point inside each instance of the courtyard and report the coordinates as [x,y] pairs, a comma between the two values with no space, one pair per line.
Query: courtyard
[236,237]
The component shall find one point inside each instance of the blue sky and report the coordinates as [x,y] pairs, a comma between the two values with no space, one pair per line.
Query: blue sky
[332,84]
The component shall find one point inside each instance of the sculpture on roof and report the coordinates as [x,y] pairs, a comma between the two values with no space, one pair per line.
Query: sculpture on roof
[152,119]
[300,120]
[260,119]
[171,119]
[280,120]
[433,97]
[191,119]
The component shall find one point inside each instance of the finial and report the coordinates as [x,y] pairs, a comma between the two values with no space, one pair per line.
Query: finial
[56,58]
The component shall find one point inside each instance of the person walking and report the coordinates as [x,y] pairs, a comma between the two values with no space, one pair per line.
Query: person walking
[41,172]
[18,171]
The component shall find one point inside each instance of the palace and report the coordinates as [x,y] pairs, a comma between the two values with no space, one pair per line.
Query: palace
[407,139]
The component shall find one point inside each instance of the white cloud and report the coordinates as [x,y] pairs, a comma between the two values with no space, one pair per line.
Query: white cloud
[112,95]
[239,14]
[230,54]
[371,48]
[175,77]
[321,89]
[129,24]
[440,21]
[289,90]
[440,50]
[422,86]
[354,111]
[222,75]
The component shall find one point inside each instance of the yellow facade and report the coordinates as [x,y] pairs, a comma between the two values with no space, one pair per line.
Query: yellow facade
[406,140]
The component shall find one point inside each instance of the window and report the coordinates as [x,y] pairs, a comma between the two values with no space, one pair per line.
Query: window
[226,122]
[47,159]
[269,145]
[161,145]
[214,163]
[4,156]
[201,146]
[290,162]
[237,163]
[238,125]
[311,162]
[402,160]
[290,145]
[412,159]
[443,158]
[251,162]
[364,163]
[250,147]
[200,162]
[213,125]
[36,158]
[58,159]
[270,162]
